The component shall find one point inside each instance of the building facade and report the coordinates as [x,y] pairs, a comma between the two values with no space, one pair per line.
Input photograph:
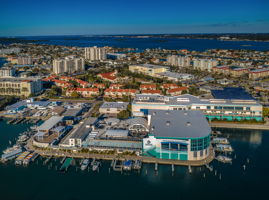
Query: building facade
[95,53]
[148,69]
[68,65]
[221,109]
[204,64]
[177,135]
[20,86]
[7,72]
[179,61]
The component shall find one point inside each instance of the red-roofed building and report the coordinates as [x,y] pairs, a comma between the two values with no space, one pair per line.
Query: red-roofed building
[169,86]
[115,86]
[151,92]
[84,92]
[120,92]
[148,87]
[50,78]
[99,85]
[82,83]
[62,84]
[176,91]
[110,76]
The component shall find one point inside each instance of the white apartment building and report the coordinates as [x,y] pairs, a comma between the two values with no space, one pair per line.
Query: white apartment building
[179,61]
[25,60]
[7,72]
[69,65]
[95,53]
[204,64]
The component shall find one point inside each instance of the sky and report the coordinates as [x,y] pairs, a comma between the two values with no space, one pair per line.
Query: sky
[90,17]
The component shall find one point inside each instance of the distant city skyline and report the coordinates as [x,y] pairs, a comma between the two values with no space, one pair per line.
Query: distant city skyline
[82,17]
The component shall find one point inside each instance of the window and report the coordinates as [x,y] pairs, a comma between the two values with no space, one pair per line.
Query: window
[201,153]
[195,154]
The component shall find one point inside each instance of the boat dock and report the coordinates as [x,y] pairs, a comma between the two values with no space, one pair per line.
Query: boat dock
[66,164]
[20,159]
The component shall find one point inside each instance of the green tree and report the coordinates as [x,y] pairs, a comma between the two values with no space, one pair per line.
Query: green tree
[124,114]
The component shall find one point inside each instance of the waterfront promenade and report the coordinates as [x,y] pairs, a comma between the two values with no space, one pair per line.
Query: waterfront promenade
[144,159]
[240,126]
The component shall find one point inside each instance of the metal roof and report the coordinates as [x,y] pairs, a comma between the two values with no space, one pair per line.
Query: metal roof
[50,123]
[122,105]
[178,124]
[231,93]
[83,129]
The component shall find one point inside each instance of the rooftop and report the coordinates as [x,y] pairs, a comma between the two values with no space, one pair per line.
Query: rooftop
[231,93]
[178,124]
[122,105]
[50,123]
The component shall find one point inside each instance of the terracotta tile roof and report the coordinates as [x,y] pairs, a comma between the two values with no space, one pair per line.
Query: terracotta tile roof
[169,85]
[148,86]
[109,76]
[177,89]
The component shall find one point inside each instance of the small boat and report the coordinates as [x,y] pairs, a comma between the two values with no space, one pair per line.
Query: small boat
[224,159]
[220,140]
[85,164]
[10,149]
[95,165]
[137,164]
[11,154]
[127,165]
[224,148]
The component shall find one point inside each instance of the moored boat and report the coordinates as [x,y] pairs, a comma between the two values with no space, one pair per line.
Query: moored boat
[85,164]
[224,159]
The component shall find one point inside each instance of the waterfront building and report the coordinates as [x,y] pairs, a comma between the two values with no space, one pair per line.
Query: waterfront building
[7,72]
[228,109]
[20,86]
[95,53]
[68,65]
[204,64]
[112,108]
[177,135]
[148,69]
[179,61]
[24,60]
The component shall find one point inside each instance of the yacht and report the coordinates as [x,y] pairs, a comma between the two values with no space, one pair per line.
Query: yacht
[85,164]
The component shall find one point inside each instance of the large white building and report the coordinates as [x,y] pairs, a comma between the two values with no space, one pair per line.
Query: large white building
[179,61]
[95,53]
[204,64]
[7,72]
[177,135]
[68,65]
[25,60]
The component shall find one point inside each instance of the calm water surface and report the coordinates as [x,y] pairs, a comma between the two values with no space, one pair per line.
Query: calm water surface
[38,182]
[143,43]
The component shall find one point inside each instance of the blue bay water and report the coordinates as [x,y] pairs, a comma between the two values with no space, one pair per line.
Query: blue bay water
[143,43]
[37,182]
